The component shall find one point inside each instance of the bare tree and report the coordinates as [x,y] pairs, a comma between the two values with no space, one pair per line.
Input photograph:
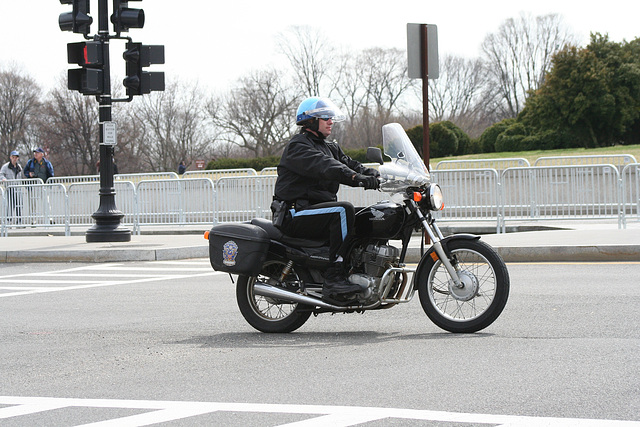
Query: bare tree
[69,129]
[309,55]
[258,115]
[346,88]
[371,86]
[518,56]
[171,128]
[455,93]
[461,94]
[19,101]
[383,73]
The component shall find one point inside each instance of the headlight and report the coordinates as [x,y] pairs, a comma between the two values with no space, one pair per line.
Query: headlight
[435,198]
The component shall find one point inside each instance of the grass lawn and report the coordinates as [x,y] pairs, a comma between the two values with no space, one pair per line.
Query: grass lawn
[531,156]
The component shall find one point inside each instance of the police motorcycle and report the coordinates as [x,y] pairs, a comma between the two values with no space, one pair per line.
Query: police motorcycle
[462,282]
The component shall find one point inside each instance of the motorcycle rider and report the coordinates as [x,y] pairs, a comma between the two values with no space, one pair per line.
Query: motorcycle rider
[309,175]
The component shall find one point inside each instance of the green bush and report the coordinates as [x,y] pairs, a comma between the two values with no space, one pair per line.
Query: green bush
[443,141]
[474,147]
[257,163]
[490,135]
[511,139]
[415,136]
[464,141]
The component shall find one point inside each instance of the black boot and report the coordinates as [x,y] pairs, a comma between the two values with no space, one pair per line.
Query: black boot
[337,289]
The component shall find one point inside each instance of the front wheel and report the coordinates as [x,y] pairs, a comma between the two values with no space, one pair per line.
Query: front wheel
[481,299]
[268,314]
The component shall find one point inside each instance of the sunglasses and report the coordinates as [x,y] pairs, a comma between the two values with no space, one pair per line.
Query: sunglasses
[326,119]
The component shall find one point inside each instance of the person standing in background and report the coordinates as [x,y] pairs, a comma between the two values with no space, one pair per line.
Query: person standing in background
[13,170]
[38,166]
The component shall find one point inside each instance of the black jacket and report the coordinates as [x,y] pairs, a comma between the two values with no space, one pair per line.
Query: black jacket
[312,169]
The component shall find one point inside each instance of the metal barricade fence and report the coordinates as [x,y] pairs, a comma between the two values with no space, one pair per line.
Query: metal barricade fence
[360,197]
[4,215]
[498,164]
[269,171]
[244,198]
[519,193]
[67,180]
[84,200]
[176,201]
[138,177]
[13,205]
[469,195]
[631,191]
[618,160]
[216,174]
[26,181]
[36,206]
[562,192]
[198,200]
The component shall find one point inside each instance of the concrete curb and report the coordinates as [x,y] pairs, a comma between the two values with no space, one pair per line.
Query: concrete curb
[593,253]
[104,255]
[599,253]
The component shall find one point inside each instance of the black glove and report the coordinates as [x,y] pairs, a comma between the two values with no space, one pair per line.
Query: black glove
[371,172]
[368,182]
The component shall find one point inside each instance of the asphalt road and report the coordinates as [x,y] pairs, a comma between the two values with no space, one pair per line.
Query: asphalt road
[163,343]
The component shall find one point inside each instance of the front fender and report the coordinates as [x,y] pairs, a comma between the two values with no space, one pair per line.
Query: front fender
[431,256]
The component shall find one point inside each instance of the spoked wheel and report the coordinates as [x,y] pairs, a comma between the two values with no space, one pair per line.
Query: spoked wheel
[481,298]
[268,314]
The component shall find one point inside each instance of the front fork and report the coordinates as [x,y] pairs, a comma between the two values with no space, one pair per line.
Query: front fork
[436,237]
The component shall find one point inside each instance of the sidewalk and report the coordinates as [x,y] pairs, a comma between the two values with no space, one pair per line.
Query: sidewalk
[547,242]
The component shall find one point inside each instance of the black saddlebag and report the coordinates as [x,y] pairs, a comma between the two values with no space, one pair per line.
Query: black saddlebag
[238,248]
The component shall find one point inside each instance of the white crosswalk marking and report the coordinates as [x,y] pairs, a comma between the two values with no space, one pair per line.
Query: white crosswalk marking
[336,416]
[99,275]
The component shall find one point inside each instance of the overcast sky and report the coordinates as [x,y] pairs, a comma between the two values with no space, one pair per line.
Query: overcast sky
[217,41]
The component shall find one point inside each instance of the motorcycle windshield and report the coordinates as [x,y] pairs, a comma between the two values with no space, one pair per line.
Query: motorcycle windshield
[406,167]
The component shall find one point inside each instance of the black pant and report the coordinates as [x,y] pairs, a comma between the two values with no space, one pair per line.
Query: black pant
[330,220]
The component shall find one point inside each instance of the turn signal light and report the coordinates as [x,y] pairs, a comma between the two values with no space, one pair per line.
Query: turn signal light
[417,196]
[206,235]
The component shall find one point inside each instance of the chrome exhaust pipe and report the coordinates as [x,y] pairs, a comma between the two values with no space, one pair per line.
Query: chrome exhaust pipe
[279,293]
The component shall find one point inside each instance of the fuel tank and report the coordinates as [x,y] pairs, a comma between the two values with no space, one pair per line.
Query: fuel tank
[383,220]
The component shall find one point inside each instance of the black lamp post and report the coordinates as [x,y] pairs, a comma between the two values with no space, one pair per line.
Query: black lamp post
[93,78]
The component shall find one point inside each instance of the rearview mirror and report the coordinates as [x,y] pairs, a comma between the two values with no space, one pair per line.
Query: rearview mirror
[374,154]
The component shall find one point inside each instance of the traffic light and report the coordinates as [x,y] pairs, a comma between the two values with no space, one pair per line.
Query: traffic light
[88,80]
[124,18]
[78,20]
[138,56]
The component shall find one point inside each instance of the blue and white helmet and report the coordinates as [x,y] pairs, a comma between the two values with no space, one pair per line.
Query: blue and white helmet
[321,108]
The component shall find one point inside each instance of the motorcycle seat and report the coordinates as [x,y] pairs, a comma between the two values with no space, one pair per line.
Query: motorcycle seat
[275,234]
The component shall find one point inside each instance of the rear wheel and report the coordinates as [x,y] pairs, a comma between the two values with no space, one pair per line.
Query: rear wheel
[480,300]
[268,314]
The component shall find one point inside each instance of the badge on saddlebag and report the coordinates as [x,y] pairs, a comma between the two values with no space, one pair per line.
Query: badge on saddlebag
[229,253]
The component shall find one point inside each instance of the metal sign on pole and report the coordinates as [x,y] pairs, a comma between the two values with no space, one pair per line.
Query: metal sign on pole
[110,135]
[423,63]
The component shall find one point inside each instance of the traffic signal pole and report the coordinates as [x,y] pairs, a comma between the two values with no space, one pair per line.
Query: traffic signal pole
[107,227]
[94,78]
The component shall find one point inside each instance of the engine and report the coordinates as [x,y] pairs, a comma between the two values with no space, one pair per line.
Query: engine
[376,259]
[373,261]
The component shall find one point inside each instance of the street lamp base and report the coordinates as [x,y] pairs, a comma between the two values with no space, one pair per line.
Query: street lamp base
[106,233]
